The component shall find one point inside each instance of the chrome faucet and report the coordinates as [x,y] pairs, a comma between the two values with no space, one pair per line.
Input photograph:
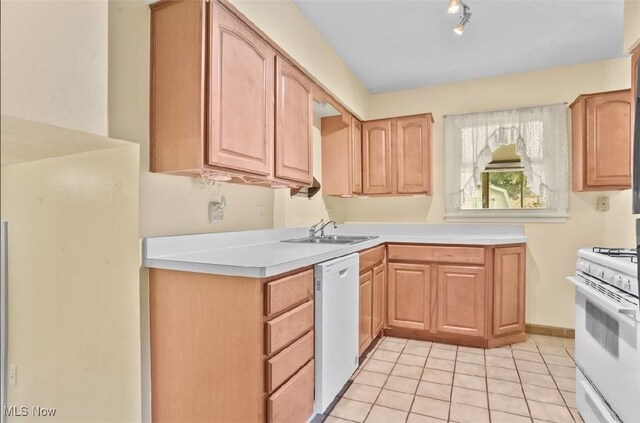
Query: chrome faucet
[321,229]
[312,229]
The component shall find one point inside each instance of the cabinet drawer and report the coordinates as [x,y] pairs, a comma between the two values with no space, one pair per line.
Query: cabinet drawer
[287,328]
[289,361]
[442,254]
[371,257]
[286,292]
[293,402]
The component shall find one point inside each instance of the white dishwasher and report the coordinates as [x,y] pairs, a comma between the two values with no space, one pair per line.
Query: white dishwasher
[336,326]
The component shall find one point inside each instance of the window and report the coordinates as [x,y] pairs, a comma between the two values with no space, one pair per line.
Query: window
[507,165]
[503,184]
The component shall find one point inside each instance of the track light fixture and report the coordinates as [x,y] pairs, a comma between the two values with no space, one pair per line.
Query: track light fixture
[454,6]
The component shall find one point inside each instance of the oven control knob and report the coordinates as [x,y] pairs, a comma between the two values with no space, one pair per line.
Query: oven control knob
[618,281]
[600,272]
[584,266]
[627,285]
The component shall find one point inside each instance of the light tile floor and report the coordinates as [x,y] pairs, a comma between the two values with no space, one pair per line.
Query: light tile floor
[423,382]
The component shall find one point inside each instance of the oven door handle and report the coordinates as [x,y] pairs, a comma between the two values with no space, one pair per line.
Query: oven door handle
[597,402]
[595,296]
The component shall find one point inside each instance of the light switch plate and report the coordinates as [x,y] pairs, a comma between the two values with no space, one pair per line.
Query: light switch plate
[12,375]
[603,203]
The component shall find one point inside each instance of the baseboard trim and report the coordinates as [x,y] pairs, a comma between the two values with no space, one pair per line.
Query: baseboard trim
[549,331]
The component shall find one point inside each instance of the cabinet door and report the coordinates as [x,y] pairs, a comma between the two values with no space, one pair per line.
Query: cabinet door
[294,121]
[366,293]
[376,157]
[356,156]
[508,290]
[379,278]
[609,139]
[409,296]
[413,155]
[461,300]
[241,101]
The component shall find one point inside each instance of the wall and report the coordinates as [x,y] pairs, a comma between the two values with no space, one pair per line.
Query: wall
[54,62]
[285,24]
[291,212]
[172,205]
[73,285]
[73,221]
[631,24]
[552,247]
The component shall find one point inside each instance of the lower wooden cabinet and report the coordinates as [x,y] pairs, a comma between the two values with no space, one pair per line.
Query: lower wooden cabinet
[366,296]
[377,313]
[409,296]
[467,295]
[461,300]
[508,290]
[373,274]
[231,349]
[294,401]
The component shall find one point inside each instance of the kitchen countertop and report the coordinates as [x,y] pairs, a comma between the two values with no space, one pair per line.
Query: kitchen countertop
[260,254]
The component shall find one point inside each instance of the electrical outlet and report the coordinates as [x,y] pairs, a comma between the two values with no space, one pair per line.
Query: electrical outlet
[216,209]
[603,204]
[261,210]
[12,375]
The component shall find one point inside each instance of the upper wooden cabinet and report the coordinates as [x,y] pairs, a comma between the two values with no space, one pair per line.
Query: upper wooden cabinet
[601,132]
[294,120]
[396,156]
[341,156]
[376,157]
[241,96]
[413,155]
[224,103]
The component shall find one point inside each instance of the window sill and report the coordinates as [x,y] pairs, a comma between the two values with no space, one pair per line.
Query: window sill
[507,216]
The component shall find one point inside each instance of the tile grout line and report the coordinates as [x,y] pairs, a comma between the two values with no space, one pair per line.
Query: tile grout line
[415,393]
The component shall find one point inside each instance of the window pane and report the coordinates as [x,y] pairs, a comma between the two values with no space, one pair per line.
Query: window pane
[509,190]
[505,191]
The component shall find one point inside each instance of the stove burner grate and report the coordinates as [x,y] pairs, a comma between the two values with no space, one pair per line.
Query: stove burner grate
[630,253]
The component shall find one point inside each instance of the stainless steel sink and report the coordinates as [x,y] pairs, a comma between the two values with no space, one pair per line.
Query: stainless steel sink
[331,239]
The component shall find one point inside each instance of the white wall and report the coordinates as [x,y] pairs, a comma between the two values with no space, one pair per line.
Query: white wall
[54,62]
[552,247]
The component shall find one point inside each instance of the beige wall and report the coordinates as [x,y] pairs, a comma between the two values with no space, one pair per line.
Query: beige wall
[552,247]
[73,285]
[291,212]
[631,24]
[54,62]
[283,22]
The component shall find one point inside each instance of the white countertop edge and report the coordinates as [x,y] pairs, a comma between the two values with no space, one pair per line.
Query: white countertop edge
[171,263]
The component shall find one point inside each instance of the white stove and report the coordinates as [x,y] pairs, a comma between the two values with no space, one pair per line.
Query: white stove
[617,267]
[607,335]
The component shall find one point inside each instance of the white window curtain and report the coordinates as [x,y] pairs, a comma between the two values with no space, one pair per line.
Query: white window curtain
[540,136]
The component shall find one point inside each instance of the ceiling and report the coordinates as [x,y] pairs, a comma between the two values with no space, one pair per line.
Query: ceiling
[398,44]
